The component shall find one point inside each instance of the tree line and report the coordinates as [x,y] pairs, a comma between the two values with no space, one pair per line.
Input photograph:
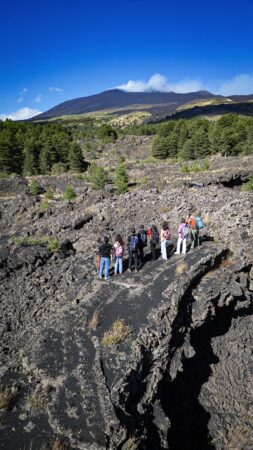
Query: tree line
[33,149]
[197,138]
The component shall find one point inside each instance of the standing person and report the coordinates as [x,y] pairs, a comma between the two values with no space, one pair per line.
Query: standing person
[200,226]
[194,234]
[105,251]
[133,244]
[165,240]
[98,254]
[143,240]
[119,251]
[183,235]
[154,240]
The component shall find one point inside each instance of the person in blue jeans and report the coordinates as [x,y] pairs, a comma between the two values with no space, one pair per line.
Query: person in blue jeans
[119,251]
[105,251]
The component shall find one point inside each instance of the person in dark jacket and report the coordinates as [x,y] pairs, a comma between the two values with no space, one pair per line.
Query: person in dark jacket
[133,245]
[105,251]
[142,236]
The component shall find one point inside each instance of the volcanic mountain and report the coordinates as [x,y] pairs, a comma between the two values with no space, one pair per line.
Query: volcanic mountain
[116,99]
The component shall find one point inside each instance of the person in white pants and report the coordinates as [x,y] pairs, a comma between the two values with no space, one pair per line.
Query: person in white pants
[183,235]
[165,240]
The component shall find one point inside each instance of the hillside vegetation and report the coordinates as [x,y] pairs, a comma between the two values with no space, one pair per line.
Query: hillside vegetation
[53,148]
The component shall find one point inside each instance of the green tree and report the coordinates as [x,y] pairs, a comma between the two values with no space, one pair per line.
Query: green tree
[160,147]
[201,143]
[97,176]
[121,178]
[187,151]
[31,153]
[172,144]
[107,134]
[75,157]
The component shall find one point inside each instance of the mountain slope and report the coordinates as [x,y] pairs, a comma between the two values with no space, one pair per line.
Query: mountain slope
[115,98]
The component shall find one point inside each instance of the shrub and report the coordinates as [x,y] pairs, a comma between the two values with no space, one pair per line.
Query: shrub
[35,403]
[184,168]
[44,206]
[49,194]
[59,169]
[246,187]
[69,193]
[35,188]
[53,245]
[195,167]
[118,333]
[206,164]
[96,176]
[107,134]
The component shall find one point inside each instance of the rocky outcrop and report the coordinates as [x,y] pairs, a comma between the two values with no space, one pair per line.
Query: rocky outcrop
[181,378]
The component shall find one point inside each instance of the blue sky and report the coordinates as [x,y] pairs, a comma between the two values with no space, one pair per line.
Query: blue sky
[52,51]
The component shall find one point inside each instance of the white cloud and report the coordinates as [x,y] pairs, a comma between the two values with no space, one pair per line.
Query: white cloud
[160,83]
[55,89]
[38,98]
[20,114]
[240,84]
[20,99]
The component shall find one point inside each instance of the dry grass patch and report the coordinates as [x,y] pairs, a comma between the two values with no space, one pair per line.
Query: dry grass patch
[226,262]
[58,444]
[119,332]
[181,268]
[131,444]
[7,396]
[95,320]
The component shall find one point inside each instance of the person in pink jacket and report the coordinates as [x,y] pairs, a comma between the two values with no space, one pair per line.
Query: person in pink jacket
[183,235]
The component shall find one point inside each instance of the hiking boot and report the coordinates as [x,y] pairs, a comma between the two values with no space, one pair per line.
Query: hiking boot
[136,270]
[129,270]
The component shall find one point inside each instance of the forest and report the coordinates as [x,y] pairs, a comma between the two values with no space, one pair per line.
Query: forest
[53,148]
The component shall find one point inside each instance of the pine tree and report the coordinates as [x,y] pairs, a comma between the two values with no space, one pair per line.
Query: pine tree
[75,157]
[121,178]
[187,152]
[31,153]
[97,176]
[160,147]
[201,143]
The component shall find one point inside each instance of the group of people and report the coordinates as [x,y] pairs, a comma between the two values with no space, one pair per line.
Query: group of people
[188,232]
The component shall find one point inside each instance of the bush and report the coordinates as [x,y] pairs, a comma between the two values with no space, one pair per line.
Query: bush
[121,179]
[44,206]
[184,168]
[96,176]
[59,169]
[69,193]
[107,134]
[246,187]
[49,194]
[35,188]
[118,333]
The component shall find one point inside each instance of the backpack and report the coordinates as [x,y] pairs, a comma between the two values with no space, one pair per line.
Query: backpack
[166,235]
[185,231]
[143,238]
[133,244]
[199,222]
[154,236]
